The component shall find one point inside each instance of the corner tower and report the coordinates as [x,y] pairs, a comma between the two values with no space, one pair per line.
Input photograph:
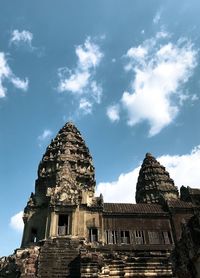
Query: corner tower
[154,183]
[64,190]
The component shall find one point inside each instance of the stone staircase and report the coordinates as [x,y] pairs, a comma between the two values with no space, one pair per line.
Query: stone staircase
[150,265]
[59,258]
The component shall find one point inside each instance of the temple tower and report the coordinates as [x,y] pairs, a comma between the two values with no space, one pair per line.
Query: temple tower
[154,183]
[64,191]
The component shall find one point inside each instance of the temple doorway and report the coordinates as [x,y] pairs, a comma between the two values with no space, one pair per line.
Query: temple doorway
[93,235]
[33,235]
[63,224]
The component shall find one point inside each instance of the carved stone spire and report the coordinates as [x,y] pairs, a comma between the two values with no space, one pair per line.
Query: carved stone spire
[65,184]
[66,169]
[154,182]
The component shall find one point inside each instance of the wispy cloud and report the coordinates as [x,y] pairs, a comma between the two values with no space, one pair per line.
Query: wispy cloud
[46,135]
[85,106]
[180,168]
[6,74]
[20,84]
[157,17]
[24,40]
[16,222]
[80,81]
[19,38]
[159,68]
[113,113]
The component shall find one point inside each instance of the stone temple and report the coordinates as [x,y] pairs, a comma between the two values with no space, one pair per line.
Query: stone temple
[68,232]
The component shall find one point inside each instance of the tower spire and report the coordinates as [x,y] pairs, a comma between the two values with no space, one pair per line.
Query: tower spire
[154,182]
[67,165]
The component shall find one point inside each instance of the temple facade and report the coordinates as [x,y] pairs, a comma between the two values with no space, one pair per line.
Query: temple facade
[69,232]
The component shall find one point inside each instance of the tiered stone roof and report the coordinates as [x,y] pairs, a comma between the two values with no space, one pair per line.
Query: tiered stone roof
[154,182]
[65,170]
[125,208]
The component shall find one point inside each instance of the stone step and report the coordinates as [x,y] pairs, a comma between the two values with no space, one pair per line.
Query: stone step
[139,263]
[140,267]
[89,270]
[57,259]
[54,250]
[58,256]
[89,275]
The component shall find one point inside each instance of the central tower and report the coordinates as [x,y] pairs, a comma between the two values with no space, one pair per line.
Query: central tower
[63,202]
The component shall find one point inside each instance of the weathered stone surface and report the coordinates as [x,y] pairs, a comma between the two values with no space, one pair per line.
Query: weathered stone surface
[154,183]
[112,263]
[189,194]
[187,252]
[59,257]
[23,263]
[65,171]
[65,178]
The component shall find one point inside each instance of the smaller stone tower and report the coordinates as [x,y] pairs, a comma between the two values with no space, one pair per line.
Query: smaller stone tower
[154,183]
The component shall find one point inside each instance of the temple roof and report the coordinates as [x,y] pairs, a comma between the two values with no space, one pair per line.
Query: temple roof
[153,182]
[66,164]
[194,191]
[179,204]
[132,208]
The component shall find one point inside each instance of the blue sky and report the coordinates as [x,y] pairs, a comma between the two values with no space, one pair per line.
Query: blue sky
[126,72]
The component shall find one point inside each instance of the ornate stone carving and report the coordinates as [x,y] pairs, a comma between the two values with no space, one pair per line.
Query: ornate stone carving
[65,171]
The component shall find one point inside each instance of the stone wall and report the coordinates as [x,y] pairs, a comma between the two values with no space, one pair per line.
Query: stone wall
[110,262]
[23,263]
[187,252]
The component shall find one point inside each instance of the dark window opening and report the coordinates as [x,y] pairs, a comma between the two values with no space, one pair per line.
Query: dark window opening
[93,234]
[167,239]
[139,237]
[114,237]
[111,237]
[33,235]
[170,237]
[107,237]
[125,237]
[63,227]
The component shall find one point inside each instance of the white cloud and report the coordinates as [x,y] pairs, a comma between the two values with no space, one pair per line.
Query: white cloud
[194,97]
[96,91]
[163,34]
[16,222]
[113,113]
[89,55]
[122,190]
[157,17]
[159,71]
[20,84]
[184,169]
[46,135]
[85,106]
[23,40]
[137,52]
[80,81]
[75,83]
[24,37]
[7,74]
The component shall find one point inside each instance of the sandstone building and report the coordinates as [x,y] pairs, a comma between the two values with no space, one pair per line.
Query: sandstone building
[69,232]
